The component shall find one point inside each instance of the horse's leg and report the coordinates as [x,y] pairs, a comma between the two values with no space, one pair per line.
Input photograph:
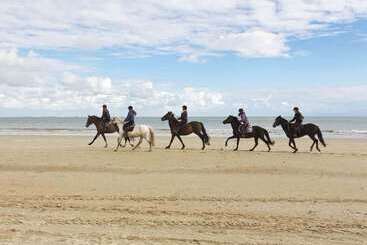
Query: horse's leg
[266,142]
[256,143]
[105,140]
[170,143]
[290,143]
[119,139]
[128,139]
[149,142]
[202,139]
[317,144]
[312,137]
[95,137]
[229,138]
[140,140]
[183,145]
[238,143]
[294,144]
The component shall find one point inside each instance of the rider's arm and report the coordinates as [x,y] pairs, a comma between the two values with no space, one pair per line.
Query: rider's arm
[294,119]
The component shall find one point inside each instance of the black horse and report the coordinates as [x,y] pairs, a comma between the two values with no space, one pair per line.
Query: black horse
[191,127]
[101,130]
[307,129]
[257,132]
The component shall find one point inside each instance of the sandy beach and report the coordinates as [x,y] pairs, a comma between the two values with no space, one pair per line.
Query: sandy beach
[59,190]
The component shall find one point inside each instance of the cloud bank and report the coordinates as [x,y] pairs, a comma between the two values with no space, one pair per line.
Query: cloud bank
[191,29]
[38,84]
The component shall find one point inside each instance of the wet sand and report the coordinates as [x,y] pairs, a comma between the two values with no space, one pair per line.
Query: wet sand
[59,190]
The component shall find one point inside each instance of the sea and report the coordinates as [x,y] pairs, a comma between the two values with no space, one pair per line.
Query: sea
[333,127]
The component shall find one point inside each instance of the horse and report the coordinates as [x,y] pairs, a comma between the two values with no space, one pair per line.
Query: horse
[141,131]
[191,127]
[306,129]
[257,132]
[101,130]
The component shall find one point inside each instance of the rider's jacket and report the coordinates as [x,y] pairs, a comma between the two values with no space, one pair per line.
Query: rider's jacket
[130,118]
[183,117]
[106,116]
[243,119]
[297,119]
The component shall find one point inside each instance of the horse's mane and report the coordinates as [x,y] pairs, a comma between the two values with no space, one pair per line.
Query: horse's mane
[118,119]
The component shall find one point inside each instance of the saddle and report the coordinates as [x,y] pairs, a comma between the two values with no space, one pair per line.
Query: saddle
[245,129]
[129,128]
[296,130]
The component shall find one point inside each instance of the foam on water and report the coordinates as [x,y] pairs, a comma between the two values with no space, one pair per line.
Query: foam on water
[336,127]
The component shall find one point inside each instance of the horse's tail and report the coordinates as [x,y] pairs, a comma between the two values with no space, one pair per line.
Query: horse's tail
[321,138]
[271,142]
[206,136]
[152,136]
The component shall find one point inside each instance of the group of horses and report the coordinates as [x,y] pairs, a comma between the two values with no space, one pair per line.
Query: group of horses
[146,132]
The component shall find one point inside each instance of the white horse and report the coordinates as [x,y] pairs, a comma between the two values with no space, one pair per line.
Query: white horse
[140,131]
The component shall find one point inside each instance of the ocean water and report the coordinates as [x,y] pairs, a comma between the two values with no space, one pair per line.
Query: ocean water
[336,127]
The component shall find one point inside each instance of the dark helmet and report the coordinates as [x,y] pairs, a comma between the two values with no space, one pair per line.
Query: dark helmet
[184,107]
[130,107]
[240,110]
[104,106]
[296,108]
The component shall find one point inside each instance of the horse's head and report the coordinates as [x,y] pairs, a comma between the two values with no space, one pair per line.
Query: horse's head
[229,119]
[277,121]
[89,121]
[167,116]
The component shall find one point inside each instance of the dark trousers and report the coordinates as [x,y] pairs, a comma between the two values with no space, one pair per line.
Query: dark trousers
[104,124]
[129,126]
[296,128]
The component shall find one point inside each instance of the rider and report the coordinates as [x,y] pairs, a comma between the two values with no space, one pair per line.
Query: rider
[105,117]
[129,121]
[245,124]
[183,118]
[297,120]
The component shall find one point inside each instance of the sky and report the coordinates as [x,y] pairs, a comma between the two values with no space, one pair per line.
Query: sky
[67,58]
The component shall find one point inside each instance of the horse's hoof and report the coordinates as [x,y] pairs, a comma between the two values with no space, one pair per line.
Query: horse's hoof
[251,150]
[115,150]
[167,147]
[235,150]
[89,143]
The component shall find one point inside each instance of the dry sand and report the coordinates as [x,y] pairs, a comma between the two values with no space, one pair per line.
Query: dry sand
[58,190]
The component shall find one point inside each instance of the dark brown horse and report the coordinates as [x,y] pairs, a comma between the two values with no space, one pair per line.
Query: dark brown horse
[257,133]
[97,121]
[309,129]
[191,127]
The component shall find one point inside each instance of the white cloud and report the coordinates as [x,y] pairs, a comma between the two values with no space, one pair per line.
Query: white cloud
[32,82]
[250,28]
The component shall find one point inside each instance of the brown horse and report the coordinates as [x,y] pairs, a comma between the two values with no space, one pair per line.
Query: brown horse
[191,127]
[97,121]
[257,133]
[309,129]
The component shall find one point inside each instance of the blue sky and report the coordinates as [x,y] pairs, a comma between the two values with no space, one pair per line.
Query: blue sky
[266,56]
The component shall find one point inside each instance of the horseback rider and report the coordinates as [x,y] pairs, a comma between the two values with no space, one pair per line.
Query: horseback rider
[296,121]
[129,122]
[106,118]
[245,124]
[182,119]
